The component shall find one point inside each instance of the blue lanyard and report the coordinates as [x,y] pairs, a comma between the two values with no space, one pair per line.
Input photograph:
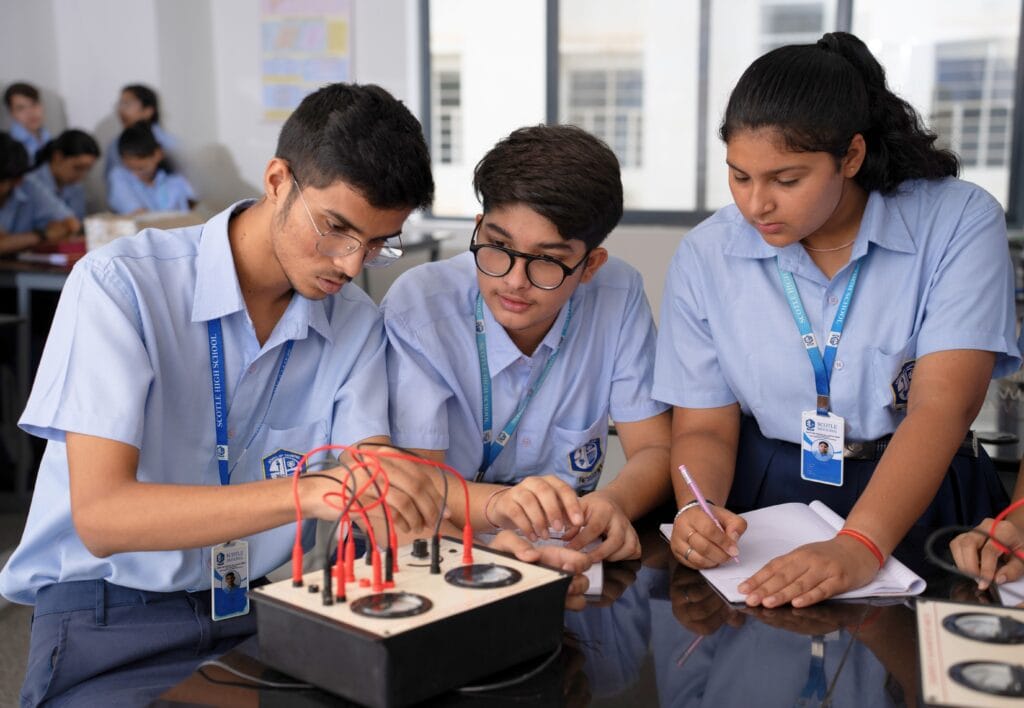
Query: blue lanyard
[816,687]
[219,382]
[822,366]
[493,448]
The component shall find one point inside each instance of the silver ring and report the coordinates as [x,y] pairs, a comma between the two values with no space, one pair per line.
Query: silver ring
[686,556]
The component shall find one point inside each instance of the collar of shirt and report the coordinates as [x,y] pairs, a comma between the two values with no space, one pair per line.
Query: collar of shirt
[881,227]
[218,294]
[502,351]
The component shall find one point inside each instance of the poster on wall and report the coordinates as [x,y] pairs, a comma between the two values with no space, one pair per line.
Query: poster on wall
[305,44]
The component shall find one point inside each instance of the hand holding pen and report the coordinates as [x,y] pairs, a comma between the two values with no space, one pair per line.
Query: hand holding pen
[709,553]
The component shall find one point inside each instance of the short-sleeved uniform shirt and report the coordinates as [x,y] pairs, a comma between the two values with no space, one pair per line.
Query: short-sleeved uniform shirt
[72,195]
[126,193]
[128,359]
[32,143]
[935,276]
[30,207]
[168,143]
[603,370]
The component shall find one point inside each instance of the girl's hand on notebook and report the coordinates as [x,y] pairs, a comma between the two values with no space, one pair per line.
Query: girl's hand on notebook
[811,573]
[698,543]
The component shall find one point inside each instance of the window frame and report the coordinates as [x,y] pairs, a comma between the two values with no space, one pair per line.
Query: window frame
[843,23]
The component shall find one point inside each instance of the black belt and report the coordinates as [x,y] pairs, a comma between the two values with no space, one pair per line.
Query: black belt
[873,449]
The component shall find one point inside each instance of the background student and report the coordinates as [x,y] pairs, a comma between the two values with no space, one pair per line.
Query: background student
[139,103]
[29,214]
[136,488]
[26,111]
[141,182]
[62,164]
[832,175]
[563,340]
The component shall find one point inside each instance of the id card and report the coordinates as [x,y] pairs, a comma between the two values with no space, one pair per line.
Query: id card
[822,440]
[229,582]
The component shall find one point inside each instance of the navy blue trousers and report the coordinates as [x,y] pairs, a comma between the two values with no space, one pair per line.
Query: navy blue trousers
[98,644]
[768,473]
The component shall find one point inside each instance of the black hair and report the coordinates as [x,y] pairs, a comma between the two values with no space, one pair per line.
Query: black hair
[363,136]
[137,141]
[13,158]
[20,88]
[562,172]
[70,143]
[818,96]
[147,97]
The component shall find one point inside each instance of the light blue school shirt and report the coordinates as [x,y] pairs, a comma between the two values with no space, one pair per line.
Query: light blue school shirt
[128,359]
[31,142]
[30,207]
[168,142]
[72,195]
[126,193]
[604,369]
[936,276]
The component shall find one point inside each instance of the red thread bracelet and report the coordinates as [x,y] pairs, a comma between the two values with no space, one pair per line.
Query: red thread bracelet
[868,543]
[487,517]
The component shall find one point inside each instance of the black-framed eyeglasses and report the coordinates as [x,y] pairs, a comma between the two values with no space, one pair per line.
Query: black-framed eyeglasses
[380,252]
[543,272]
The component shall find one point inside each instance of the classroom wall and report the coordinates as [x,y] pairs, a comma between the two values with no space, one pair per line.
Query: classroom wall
[203,58]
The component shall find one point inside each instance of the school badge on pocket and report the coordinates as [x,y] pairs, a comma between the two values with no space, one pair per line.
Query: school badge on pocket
[280,463]
[901,385]
[586,456]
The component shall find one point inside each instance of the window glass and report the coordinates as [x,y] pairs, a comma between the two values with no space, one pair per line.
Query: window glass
[628,74]
[487,69]
[957,68]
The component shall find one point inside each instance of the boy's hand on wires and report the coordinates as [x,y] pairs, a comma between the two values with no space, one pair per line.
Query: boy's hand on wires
[414,500]
[603,517]
[975,553]
[537,504]
[554,556]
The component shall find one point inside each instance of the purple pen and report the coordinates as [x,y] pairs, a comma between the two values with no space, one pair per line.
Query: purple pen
[701,500]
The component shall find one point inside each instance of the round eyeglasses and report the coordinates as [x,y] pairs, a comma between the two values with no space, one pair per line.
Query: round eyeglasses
[543,272]
[380,252]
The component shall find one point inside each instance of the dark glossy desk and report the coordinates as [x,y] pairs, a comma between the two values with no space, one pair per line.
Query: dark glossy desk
[661,636]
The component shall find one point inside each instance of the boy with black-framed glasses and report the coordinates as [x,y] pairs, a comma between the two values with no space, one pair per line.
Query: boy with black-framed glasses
[508,361]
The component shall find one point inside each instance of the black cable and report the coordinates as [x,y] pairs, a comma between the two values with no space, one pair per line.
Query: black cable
[481,688]
[261,684]
[935,559]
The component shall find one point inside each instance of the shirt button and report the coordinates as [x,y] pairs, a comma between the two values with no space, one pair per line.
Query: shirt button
[839,365]
[231,433]
[833,300]
[252,370]
[526,442]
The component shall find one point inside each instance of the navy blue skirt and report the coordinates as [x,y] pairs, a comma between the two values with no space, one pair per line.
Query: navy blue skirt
[768,473]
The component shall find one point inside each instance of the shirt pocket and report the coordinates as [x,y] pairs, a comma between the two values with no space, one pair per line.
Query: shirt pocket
[891,374]
[276,453]
[579,455]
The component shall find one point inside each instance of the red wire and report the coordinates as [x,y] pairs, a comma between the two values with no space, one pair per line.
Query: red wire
[1018,552]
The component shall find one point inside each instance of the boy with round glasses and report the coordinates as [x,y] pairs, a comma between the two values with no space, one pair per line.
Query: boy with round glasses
[185,374]
[508,361]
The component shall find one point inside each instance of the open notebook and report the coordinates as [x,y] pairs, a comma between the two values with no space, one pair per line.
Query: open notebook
[777,530]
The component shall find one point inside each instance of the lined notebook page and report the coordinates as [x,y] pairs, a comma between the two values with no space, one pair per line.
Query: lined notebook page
[777,530]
